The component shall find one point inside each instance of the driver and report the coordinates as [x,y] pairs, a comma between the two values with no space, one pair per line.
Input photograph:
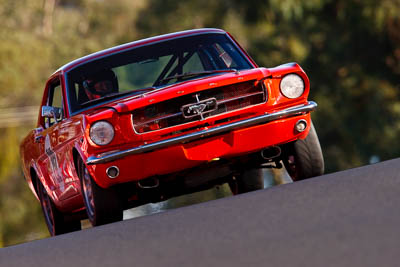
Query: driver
[100,84]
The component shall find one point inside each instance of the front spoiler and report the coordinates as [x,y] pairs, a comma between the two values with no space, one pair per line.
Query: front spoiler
[293,111]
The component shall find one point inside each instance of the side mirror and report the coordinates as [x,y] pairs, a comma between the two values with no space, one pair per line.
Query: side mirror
[52,112]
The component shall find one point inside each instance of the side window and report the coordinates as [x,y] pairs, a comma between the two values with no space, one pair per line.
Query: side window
[55,100]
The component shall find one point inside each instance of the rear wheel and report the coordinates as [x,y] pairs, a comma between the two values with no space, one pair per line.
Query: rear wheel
[248,180]
[102,205]
[56,221]
[303,158]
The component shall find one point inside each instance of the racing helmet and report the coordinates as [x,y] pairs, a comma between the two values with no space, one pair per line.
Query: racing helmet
[107,78]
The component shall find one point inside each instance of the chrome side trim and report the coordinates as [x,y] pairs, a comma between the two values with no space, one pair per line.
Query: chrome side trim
[293,111]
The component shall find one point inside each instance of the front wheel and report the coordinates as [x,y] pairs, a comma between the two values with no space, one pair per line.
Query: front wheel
[102,205]
[303,158]
[56,221]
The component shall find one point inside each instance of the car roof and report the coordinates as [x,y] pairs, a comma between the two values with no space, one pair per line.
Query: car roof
[137,43]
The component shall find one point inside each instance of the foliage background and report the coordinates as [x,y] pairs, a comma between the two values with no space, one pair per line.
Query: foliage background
[349,48]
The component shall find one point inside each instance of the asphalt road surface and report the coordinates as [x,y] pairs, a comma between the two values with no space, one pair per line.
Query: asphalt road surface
[349,218]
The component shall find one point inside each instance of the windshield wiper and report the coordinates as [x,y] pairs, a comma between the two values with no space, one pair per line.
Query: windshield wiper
[115,95]
[194,74]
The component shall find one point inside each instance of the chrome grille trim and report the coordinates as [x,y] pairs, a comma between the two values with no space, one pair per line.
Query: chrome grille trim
[218,102]
[239,97]
[253,91]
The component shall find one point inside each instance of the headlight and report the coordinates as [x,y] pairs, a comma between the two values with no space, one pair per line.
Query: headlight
[102,133]
[292,86]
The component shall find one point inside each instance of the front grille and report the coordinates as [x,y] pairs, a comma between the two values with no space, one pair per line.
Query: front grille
[198,106]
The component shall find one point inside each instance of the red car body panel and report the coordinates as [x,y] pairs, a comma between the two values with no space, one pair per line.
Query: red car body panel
[184,156]
[50,154]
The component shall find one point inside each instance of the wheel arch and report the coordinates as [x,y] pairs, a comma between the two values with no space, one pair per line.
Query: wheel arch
[34,179]
[77,154]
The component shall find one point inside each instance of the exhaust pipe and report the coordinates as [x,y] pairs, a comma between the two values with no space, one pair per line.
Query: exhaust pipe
[148,183]
[271,152]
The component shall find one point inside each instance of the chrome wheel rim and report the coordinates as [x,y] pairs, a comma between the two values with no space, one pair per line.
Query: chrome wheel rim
[88,192]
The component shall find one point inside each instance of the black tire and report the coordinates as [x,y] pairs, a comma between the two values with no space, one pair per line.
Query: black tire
[56,221]
[249,180]
[102,205]
[303,158]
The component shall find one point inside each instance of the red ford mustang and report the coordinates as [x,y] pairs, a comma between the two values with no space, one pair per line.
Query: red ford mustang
[162,117]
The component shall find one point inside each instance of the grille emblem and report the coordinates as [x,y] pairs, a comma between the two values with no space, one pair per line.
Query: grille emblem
[200,108]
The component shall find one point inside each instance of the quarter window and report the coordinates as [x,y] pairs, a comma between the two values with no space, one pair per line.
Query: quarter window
[55,100]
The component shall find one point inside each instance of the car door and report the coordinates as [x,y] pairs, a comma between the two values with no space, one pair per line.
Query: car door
[55,156]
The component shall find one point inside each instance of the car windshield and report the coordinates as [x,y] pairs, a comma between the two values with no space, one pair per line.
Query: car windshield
[145,68]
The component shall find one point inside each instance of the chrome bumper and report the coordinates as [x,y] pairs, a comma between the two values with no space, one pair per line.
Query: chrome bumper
[293,111]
